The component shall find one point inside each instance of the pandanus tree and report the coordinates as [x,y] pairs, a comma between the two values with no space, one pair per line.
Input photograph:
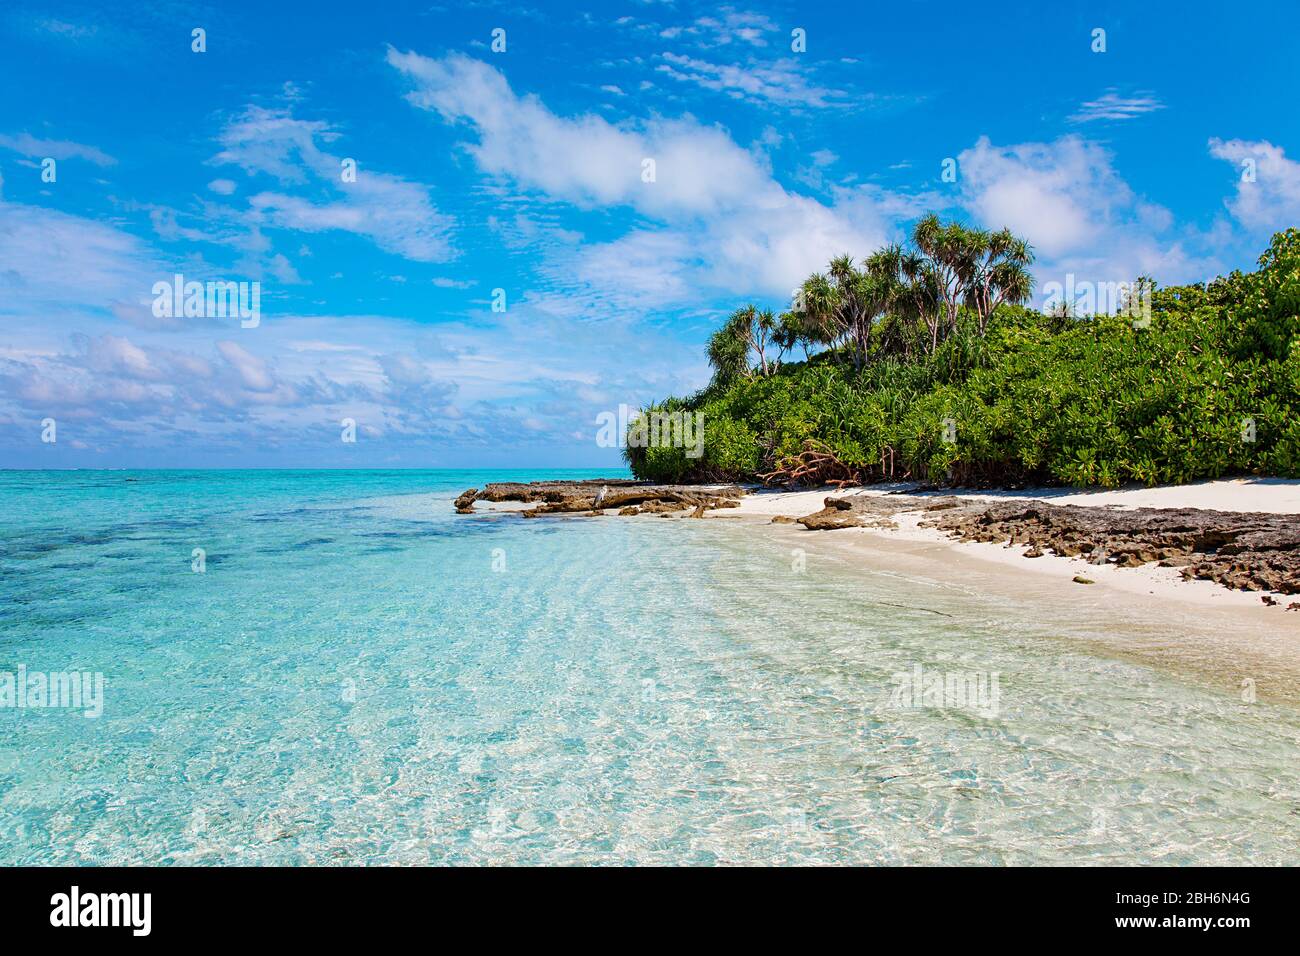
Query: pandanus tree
[996,271]
[856,303]
[888,295]
[728,355]
[946,250]
[747,332]
[920,298]
[898,290]
[844,304]
[788,334]
[818,308]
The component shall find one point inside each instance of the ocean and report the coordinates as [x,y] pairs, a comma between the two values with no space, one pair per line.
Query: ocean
[331,667]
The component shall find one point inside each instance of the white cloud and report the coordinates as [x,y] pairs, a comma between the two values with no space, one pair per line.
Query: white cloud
[70,31]
[52,262]
[779,83]
[252,370]
[112,353]
[1112,106]
[730,26]
[397,215]
[223,187]
[1066,198]
[747,233]
[30,146]
[1272,201]
[1057,195]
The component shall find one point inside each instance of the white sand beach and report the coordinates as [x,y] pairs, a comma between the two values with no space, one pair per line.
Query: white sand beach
[1272,495]
[1195,624]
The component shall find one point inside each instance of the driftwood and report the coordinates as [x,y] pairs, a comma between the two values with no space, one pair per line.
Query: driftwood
[815,465]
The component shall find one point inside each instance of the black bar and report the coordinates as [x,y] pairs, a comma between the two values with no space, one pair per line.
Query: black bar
[334,906]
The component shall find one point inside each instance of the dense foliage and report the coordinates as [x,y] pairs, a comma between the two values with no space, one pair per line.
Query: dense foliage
[1210,386]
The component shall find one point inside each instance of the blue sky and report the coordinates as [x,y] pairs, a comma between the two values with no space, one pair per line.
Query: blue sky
[522,170]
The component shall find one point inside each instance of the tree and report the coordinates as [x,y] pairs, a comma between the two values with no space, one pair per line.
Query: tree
[822,320]
[947,251]
[888,294]
[762,330]
[845,303]
[787,335]
[746,331]
[728,354]
[920,298]
[996,271]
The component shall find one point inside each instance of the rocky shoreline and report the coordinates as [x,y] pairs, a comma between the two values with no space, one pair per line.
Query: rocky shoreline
[1245,551]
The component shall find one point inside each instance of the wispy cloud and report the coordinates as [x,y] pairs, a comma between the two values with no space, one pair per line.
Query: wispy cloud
[778,83]
[398,215]
[62,28]
[722,220]
[727,27]
[27,145]
[1113,106]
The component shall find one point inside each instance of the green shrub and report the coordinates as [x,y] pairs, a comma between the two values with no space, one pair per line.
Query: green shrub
[1040,398]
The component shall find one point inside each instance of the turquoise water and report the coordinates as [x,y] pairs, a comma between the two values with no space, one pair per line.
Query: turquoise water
[360,676]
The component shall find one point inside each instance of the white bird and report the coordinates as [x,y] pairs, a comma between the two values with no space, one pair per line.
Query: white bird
[600,496]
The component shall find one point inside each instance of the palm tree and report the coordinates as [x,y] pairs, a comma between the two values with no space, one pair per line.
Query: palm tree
[854,300]
[921,297]
[996,271]
[792,330]
[947,251]
[888,290]
[762,330]
[729,354]
[746,331]
[844,304]
[822,319]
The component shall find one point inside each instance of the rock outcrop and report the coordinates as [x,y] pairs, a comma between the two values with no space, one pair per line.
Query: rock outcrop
[870,511]
[597,496]
[1247,551]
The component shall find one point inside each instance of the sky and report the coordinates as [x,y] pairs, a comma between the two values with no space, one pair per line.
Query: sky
[473,229]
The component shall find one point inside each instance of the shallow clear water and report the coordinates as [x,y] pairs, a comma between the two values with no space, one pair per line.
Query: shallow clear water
[361,676]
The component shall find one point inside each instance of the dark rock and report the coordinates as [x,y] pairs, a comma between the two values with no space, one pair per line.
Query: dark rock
[597,496]
[1080,579]
[1248,551]
[944,504]
[858,511]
